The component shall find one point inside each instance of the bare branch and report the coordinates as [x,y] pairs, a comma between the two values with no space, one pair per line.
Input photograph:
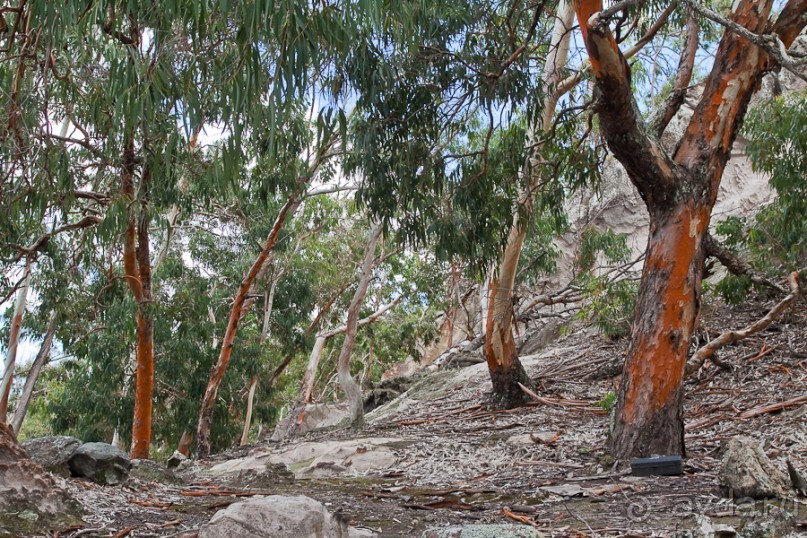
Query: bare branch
[732,337]
[735,265]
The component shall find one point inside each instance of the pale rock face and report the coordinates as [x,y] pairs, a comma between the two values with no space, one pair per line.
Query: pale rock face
[319,459]
[277,516]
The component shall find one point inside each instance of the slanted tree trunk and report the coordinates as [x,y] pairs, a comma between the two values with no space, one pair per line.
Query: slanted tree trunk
[33,374]
[137,271]
[501,351]
[13,341]
[351,389]
[236,314]
[680,192]
[184,446]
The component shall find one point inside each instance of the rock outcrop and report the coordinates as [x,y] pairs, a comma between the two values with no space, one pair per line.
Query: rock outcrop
[31,500]
[747,472]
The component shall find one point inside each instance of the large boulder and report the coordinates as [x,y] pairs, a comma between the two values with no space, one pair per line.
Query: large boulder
[31,499]
[101,463]
[52,452]
[277,516]
[746,471]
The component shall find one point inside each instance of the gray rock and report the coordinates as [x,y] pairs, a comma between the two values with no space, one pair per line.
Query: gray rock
[31,500]
[564,490]
[317,417]
[324,459]
[101,463]
[774,522]
[176,459]
[276,516]
[747,472]
[53,452]
[483,531]
[151,471]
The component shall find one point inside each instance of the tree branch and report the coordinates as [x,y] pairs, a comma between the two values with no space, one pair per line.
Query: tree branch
[770,43]
[686,65]
[734,264]
[732,337]
[651,170]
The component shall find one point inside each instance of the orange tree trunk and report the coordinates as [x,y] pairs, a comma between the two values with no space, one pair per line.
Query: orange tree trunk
[649,418]
[236,314]
[137,269]
[679,192]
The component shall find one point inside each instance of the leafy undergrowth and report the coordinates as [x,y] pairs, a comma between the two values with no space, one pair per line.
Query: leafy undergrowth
[542,465]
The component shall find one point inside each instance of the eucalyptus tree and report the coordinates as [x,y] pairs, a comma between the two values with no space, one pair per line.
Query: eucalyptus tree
[679,188]
[456,141]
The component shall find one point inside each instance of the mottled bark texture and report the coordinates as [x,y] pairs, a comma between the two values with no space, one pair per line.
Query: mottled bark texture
[501,352]
[680,192]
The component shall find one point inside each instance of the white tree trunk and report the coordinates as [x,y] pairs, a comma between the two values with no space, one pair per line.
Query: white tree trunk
[13,340]
[30,380]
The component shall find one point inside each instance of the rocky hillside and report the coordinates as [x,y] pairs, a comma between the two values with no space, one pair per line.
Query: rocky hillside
[434,461]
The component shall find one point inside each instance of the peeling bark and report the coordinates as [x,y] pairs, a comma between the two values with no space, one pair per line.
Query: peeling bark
[680,193]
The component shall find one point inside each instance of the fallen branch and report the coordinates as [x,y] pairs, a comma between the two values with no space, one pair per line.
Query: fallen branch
[755,412]
[151,504]
[222,493]
[506,512]
[732,337]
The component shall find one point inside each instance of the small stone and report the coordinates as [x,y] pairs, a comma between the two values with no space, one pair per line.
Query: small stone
[564,490]
[176,458]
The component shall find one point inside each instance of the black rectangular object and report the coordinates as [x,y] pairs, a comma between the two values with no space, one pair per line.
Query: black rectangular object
[659,466]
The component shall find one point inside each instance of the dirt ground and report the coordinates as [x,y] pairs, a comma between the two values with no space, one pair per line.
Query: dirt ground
[460,463]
